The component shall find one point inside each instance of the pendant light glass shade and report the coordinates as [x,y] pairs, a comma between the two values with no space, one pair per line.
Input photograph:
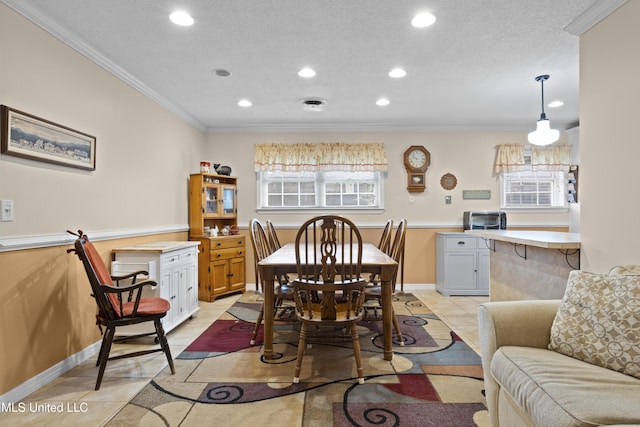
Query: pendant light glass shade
[543,135]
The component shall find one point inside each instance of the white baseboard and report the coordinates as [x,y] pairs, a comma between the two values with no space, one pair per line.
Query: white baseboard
[44,378]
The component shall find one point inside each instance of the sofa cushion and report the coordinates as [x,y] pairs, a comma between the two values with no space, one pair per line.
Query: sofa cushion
[598,321]
[557,390]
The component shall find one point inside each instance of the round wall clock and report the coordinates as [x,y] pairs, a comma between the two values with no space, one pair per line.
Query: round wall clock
[448,181]
[416,161]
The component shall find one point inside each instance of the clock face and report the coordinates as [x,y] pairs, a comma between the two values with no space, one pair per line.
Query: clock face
[417,158]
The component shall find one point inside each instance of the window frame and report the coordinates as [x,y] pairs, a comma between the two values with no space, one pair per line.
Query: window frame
[320,182]
[558,194]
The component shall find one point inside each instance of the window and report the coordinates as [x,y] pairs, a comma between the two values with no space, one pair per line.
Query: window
[320,190]
[533,190]
[327,176]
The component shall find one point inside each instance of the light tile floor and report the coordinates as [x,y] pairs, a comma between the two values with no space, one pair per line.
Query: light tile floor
[71,400]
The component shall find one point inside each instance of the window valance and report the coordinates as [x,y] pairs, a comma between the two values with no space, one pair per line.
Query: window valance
[328,156]
[512,158]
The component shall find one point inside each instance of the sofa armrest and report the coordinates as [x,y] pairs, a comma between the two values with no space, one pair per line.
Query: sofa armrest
[517,323]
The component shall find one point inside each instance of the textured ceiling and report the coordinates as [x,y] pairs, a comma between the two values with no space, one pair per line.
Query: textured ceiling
[474,69]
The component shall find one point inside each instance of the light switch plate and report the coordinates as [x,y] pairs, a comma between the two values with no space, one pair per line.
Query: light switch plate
[6,210]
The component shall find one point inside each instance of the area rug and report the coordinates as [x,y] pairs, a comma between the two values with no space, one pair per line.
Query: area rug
[435,379]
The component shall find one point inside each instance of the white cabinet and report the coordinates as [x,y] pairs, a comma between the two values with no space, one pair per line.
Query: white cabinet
[174,266]
[462,264]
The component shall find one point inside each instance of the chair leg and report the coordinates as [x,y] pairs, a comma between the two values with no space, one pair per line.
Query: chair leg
[164,344]
[301,346]
[104,339]
[103,357]
[396,325]
[356,352]
[257,327]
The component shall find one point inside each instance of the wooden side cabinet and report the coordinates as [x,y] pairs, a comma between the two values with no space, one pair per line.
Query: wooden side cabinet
[222,263]
[462,264]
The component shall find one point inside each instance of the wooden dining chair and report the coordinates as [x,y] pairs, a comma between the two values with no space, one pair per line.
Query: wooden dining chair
[329,289]
[283,290]
[374,290]
[385,239]
[120,305]
[272,235]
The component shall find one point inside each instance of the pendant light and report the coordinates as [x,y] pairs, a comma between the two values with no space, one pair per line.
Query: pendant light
[543,134]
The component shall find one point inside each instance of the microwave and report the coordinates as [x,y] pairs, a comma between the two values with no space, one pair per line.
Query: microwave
[484,220]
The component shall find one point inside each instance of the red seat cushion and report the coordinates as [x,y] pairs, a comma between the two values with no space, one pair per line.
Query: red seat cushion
[147,307]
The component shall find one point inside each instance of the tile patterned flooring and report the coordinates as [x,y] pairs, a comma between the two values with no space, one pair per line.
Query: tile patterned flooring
[71,400]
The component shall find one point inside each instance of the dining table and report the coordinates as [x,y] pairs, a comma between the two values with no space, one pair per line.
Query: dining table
[283,262]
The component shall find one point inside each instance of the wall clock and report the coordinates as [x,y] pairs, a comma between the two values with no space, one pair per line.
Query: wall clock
[416,161]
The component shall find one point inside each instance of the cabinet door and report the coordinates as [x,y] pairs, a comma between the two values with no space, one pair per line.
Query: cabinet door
[461,270]
[228,208]
[211,202]
[192,287]
[236,277]
[219,276]
[483,270]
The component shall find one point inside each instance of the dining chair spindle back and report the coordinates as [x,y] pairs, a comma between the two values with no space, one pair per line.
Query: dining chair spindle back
[329,289]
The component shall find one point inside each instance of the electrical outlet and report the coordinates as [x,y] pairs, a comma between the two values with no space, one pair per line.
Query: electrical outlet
[447,200]
[6,210]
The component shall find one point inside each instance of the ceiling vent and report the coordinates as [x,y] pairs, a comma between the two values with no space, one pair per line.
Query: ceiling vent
[313,104]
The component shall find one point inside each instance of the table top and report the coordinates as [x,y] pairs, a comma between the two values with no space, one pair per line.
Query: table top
[286,256]
[541,239]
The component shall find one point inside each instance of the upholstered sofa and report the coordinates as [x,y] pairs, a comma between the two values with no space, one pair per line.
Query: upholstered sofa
[569,362]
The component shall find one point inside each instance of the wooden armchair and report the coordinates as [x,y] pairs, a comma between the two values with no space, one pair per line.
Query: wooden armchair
[329,290]
[120,306]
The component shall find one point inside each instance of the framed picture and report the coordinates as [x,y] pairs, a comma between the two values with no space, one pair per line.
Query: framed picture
[30,137]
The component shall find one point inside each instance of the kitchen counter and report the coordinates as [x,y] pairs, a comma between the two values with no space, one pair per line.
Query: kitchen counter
[541,239]
[160,247]
[527,265]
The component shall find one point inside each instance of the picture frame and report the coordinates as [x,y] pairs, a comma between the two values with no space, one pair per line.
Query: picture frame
[30,137]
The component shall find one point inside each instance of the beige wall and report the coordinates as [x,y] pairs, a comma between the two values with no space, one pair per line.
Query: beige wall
[609,144]
[144,157]
[467,155]
[144,153]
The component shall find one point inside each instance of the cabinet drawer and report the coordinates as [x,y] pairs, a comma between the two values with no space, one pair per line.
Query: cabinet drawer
[461,242]
[226,253]
[237,241]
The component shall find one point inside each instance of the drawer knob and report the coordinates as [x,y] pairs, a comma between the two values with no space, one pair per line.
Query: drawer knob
[461,242]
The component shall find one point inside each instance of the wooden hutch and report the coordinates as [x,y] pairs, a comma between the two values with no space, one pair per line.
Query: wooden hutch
[221,261]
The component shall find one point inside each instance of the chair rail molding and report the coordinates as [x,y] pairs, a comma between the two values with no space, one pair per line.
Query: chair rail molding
[60,239]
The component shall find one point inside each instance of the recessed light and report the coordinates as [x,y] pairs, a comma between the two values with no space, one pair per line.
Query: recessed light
[245,103]
[422,20]
[306,73]
[555,104]
[221,72]
[181,18]
[382,102]
[397,73]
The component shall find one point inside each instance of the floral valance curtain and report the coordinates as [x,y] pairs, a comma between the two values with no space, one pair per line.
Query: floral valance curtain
[556,158]
[329,156]
[511,158]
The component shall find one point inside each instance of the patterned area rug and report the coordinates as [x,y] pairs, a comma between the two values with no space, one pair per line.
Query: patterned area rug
[434,380]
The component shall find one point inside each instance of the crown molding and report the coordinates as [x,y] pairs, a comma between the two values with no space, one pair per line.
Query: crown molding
[74,41]
[594,14]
